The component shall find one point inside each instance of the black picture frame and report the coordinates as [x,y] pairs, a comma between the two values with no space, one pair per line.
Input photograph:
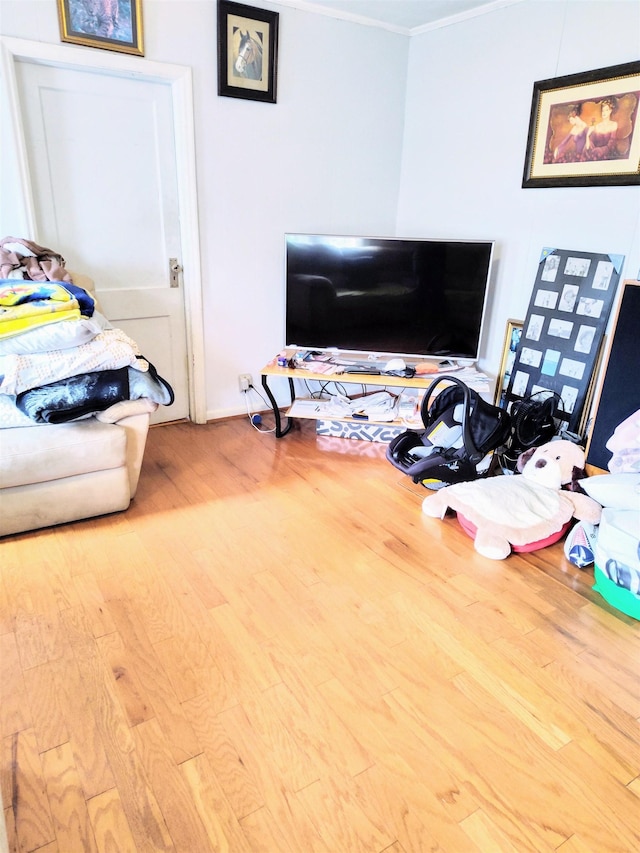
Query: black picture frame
[618,393]
[247,52]
[584,129]
[117,27]
[563,330]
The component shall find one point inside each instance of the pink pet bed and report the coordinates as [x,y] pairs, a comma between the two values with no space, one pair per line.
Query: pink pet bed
[470,530]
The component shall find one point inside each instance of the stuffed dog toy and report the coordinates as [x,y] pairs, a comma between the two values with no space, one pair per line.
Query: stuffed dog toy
[522,511]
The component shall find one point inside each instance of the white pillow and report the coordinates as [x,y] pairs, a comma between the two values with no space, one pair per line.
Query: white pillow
[10,414]
[619,491]
[55,336]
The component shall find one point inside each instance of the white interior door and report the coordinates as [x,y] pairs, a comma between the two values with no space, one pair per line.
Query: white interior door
[101,158]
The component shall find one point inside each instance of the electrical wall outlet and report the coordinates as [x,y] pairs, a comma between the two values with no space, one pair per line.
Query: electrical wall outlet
[245,381]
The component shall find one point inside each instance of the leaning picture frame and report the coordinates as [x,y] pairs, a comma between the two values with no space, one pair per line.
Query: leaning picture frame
[584,130]
[247,52]
[617,398]
[563,330]
[512,336]
[108,24]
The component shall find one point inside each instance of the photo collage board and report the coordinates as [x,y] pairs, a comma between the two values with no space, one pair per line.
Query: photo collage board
[564,327]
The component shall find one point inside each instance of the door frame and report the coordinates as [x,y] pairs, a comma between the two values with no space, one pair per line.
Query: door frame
[179,79]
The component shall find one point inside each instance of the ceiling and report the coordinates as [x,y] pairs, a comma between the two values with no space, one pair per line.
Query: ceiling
[402,15]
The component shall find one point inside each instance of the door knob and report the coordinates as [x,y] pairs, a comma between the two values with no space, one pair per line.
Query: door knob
[175,269]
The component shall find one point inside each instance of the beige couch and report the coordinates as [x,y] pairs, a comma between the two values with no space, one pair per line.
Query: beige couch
[51,474]
[64,472]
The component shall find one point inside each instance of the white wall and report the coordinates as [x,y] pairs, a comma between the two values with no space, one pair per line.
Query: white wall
[468,106]
[326,157]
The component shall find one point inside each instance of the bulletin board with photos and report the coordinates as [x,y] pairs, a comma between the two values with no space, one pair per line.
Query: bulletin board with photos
[563,329]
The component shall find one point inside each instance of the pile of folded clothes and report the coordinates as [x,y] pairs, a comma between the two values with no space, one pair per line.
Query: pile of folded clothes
[60,358]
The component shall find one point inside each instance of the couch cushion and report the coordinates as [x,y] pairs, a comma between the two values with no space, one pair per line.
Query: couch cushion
[69,499]
[49,452]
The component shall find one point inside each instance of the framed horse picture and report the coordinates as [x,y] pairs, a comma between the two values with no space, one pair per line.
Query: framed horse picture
[247,52]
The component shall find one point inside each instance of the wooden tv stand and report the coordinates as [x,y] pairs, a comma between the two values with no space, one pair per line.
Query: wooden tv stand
[272,369]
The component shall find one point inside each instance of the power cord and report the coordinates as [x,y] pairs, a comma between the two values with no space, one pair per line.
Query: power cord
[255,418]
[324,388]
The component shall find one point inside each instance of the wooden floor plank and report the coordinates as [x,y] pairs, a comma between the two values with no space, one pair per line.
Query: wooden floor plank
[174,796]
[338,818]
[298,829]
[92,763]
[388,734]
[44,689]
[15,711]
[110,826]
[27,794]
[486,835]
[155,688]
[222,828]
[139,799]
[404,802]
[235,780]
[73,829]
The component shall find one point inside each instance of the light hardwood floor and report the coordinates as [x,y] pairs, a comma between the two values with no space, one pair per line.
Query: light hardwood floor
[274,650]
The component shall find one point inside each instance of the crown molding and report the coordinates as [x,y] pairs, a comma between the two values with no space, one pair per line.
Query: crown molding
[486,9]
[328,12]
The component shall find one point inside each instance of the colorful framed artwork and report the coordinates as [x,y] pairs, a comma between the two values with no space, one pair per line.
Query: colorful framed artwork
[512,337]
[563,330]
[584,130]
[247,52]
[108,24]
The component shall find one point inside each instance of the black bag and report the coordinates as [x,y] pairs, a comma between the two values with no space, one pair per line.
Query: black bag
[461,432]
[532,424]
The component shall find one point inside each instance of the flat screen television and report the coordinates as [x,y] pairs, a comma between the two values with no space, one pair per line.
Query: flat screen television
[385,295]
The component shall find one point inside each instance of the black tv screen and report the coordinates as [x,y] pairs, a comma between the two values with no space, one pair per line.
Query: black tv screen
[405,297]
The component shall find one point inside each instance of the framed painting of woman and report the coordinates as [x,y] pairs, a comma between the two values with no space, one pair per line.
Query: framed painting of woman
[584,130]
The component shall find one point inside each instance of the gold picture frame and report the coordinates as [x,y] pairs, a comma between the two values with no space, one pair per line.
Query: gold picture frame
[584,129]
[107,24]
[512,336]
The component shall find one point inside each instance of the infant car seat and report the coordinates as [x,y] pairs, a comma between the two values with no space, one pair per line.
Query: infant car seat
[461,432]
